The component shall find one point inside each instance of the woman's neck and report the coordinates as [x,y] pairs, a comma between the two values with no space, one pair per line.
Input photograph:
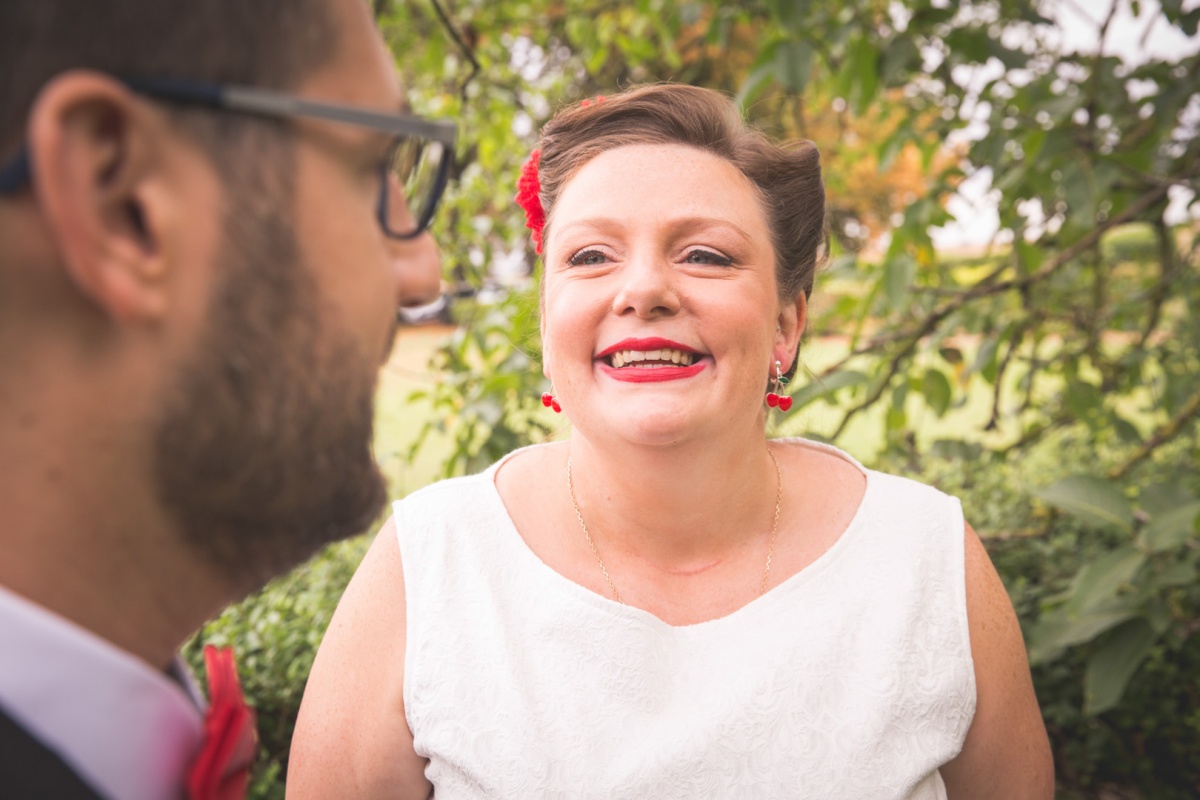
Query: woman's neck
[681,508]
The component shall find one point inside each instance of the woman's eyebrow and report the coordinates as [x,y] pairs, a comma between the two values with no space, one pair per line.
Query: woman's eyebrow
[685,224]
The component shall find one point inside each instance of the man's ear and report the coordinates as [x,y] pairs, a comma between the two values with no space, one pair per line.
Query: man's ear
[94,149]
[791,320]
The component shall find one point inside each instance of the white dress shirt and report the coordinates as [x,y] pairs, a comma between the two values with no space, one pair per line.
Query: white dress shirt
[126,728]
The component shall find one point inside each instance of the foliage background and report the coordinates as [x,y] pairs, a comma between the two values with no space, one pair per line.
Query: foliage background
[1052,379]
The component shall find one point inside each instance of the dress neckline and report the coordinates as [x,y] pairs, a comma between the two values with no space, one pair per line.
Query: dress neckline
[511,537]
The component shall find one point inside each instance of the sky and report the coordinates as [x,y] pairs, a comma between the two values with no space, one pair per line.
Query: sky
[1134,39]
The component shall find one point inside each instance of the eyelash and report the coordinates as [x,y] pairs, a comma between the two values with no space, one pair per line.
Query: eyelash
[578,259]
[713,258]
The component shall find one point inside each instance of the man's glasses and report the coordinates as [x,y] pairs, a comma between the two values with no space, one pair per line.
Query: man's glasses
[412,177]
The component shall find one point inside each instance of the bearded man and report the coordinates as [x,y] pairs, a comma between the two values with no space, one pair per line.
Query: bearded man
[209,214]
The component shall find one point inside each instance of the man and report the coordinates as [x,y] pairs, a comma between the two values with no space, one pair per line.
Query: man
[198,282]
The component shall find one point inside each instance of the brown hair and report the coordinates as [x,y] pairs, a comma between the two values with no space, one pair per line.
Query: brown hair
[788,177]
[271,44]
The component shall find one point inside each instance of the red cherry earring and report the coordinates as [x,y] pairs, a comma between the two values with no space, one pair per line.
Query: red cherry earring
[775,397]
[550,401]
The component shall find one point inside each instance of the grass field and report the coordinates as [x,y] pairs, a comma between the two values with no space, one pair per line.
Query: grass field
[398,421]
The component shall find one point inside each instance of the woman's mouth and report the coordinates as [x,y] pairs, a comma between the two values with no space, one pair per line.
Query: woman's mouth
[649,359]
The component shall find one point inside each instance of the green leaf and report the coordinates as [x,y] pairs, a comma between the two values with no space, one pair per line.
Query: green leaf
[1083,398]
[1126,430]
[1098,582]
[953,449]
[951,355]
[900,56]
[936,389]
[789,13]
[1055,632]
[1177,573]
[1079,192]
[1093,500]
[863,71]
[793,64]
[986,355]
[1031,256]
[892,146]
[1158,498]
[759,77]
[826,387]
[898,275]
[1113,662]
[1170,529]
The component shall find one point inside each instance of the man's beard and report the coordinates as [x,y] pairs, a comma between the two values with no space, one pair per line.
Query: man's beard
[264,449]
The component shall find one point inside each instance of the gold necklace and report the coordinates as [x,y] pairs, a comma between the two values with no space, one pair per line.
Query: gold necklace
[613,587]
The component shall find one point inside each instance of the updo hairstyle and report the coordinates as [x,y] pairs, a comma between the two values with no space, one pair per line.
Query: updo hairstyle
[788,178]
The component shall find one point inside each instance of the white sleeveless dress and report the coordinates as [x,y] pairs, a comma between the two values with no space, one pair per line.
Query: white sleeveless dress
[851,679]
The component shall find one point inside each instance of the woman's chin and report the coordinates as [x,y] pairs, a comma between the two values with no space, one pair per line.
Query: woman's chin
[654,422]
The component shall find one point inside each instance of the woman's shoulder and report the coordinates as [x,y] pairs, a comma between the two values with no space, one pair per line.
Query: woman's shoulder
[526,468]
[453,499]
[823,471]
[823,457]
[835,480]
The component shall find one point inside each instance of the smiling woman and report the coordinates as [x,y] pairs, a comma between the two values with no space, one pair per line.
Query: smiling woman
[668,604]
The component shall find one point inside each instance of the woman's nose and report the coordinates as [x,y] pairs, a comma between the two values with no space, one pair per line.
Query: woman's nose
[647,287]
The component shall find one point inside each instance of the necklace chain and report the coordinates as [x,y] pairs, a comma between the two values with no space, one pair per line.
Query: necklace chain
[613,587]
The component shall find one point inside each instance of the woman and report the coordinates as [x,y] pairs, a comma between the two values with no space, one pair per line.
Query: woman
[668,604]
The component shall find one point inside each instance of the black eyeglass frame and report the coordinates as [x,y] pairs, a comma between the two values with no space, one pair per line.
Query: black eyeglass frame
[279,105]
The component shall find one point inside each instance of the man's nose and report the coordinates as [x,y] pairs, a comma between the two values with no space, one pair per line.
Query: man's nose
[418,267]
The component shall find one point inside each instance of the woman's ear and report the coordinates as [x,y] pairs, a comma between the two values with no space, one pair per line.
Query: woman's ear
[542,334]
[789,328]
[93,146]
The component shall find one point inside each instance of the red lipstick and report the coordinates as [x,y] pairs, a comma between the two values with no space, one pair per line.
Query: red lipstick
[653,343]
[651,374]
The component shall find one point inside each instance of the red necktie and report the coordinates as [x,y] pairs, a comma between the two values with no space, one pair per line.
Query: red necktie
[222,768]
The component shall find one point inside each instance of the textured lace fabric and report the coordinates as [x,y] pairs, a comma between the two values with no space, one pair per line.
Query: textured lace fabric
[851,679]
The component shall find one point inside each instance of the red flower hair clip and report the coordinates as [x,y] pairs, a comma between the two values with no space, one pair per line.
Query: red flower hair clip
[528,198]
[529,187]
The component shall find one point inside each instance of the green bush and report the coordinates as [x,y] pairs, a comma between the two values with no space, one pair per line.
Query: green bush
[1149,736]
[275,634]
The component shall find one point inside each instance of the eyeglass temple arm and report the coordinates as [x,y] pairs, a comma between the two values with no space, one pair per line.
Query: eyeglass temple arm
[18,172]
[270,103]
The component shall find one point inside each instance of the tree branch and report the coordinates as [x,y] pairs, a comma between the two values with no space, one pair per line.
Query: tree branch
[458,40]
[1189,411]
[911,338]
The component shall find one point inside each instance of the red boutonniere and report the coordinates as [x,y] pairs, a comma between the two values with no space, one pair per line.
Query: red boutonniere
[221,771]
[528,187]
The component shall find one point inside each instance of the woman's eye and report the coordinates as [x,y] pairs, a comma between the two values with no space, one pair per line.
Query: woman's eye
[707,257]
[586,258]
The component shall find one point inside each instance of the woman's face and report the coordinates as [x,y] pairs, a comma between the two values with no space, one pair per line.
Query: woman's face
[660,316]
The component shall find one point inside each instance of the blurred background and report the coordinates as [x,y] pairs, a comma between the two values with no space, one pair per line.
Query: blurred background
[1009,309]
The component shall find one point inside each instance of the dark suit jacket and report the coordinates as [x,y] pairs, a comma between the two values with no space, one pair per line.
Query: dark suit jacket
[31,771]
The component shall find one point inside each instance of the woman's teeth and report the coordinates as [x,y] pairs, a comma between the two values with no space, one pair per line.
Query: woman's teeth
[623,358]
